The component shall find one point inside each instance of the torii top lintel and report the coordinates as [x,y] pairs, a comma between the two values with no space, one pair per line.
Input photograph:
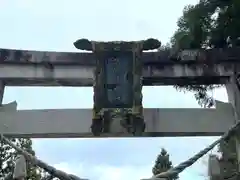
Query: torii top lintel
[85,44]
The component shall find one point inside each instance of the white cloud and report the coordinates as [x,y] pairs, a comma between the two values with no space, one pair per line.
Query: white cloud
[66,167]
[127,172]
[128,159]
[106,172]
[120,173]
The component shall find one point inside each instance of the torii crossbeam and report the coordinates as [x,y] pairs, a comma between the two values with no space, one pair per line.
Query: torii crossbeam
[67,123]
[43,68]
[33,68]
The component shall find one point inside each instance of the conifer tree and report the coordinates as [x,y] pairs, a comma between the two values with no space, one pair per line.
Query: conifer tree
[162,164]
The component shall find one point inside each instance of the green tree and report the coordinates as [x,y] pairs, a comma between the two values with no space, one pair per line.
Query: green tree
[8,156]
[192,32]
[206,24]
[162,163]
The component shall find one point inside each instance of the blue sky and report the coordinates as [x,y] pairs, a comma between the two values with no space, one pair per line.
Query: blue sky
[54,25]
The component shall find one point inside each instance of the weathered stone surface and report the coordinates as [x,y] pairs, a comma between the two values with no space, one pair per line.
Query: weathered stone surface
[129,53]
[31,74]
[85,44]
[26,68]
[162,57]
[66,123]
[118,83]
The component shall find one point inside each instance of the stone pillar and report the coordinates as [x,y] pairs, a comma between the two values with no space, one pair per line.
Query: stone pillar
[20,169]
[214,172]
[2,87]
[234,98]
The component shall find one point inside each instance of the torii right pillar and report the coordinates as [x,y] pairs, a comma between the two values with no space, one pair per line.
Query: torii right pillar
[233,91]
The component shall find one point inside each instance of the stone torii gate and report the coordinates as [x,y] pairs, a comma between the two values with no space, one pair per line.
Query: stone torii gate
[31,68]
[52,69]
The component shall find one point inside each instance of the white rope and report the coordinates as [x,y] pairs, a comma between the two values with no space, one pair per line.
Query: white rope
[173,172]
[53,171]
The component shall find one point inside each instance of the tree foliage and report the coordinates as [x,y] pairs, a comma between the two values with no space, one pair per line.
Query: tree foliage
[206,25]
[162,163]
[8,156]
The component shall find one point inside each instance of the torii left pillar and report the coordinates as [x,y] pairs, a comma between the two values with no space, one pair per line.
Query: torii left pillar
[20,171]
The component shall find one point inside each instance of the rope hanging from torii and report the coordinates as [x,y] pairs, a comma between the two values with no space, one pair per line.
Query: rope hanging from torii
[182,166]
[170,173]
[34,160]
